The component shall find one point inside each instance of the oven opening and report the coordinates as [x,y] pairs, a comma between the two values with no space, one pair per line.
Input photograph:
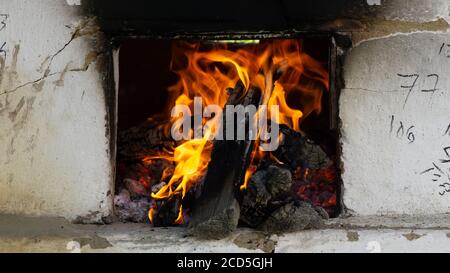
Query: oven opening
[235,132]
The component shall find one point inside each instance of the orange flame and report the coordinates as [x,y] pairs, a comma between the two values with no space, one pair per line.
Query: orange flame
[207,70]
[151,214]
[180,218]
[287,115]
[191,159]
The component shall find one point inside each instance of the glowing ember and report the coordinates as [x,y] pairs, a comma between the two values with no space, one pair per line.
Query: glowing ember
[318,187]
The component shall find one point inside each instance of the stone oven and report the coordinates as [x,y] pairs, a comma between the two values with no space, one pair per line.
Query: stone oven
[90,93]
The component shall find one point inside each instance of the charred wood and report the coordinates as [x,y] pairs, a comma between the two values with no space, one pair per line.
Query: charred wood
[270,204]
[296,150]
[217,211]
[294,216]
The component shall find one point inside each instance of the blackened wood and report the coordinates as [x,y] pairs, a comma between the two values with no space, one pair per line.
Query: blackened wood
[267,202]
[143,140]
[167,212]
[216,213]
[294,216]
[296,150]
[269,188]
[270,205]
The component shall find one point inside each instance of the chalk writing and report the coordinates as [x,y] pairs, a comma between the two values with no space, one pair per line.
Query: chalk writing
[440,172]
[445,188]
[2,50]
[447,131]
[399,129]
[434,80]
[444,50]
[3,18]
[410,87]
[430,83]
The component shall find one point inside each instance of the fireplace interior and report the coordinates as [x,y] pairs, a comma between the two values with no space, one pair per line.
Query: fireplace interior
[165,182]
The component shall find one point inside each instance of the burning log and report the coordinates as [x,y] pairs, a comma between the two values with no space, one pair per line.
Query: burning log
[297,150]
[217,211]
[294,216]
[266,188]
[200,179]
[273,202]
[314,172]
[270,205]
[167,213]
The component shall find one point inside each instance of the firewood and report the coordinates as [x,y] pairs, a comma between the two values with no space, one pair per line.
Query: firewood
[167,212]
[269,188]
[270,204]
[216,213]
[294,216]
[296,150]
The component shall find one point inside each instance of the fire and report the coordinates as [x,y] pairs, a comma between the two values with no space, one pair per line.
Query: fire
[207,70]
[317,186]
[191,160]
[287,115]
[151,214]
[180,218]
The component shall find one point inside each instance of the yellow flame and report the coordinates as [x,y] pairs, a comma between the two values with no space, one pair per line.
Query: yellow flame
[248,175]
[287,115]
[180,218]
[151,214]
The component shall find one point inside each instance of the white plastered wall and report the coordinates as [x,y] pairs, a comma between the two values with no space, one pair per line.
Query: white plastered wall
[395,112]
[54,140]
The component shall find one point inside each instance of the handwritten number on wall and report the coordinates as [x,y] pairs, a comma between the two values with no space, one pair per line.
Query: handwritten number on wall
[410,135]
[3,18]
[447,131]
[2,51]
[445,50]
[441,171]
[435,80]
[414,78]
[447,154]
[401,131]
[445,188]
[431,81]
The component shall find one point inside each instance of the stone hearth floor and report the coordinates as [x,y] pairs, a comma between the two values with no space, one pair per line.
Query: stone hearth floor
[351,234]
